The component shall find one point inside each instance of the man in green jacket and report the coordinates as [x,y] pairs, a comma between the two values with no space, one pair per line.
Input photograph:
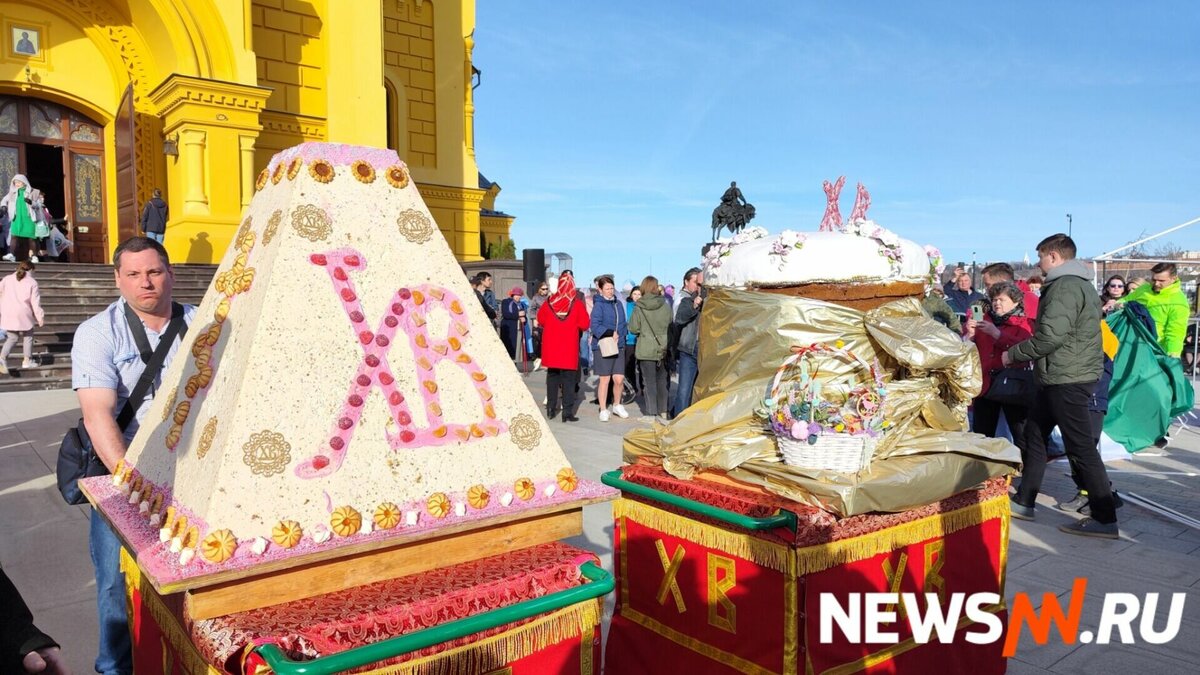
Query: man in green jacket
[1168,306]
[1069,361]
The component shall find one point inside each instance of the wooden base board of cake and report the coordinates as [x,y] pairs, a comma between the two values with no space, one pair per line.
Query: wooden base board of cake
[861,296]
[328,576]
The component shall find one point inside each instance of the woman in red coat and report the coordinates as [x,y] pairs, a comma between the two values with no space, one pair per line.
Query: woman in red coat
[562,319]
[1004,326]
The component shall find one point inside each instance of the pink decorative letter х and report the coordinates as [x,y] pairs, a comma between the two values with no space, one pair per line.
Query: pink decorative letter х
[833,214]
[408,312]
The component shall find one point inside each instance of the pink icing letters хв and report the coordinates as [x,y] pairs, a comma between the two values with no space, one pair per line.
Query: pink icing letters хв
[407,313]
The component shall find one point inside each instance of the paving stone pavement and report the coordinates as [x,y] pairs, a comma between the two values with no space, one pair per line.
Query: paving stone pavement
[43,541]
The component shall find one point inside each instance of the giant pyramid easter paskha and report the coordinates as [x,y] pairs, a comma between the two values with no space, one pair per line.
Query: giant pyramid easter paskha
[339,383]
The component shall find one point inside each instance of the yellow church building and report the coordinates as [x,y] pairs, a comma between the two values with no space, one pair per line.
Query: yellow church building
[102,101]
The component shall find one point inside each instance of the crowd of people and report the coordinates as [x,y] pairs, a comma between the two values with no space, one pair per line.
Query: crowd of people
[1046,356]
[636,341]
[27,229]
[642,340]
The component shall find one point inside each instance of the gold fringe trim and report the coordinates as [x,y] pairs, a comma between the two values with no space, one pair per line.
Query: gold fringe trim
[490,653]
[764,553]
[791,625]
[499,650]
[181,646]
[822,557]
[812,559]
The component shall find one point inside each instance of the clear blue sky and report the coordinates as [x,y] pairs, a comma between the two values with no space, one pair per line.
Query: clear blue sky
[614,127]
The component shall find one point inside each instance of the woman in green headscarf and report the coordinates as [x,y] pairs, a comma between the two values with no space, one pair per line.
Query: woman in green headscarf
[20,211]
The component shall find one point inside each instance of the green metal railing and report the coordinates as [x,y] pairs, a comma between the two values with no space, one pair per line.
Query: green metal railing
[599,583]
[785,519]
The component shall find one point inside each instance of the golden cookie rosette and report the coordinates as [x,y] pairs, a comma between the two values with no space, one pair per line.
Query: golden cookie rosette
[363,171]
[219,546]
[321,171]
[286,533]
[567,480]
[525,489]
[478,497]
[386,516]
[169,517]
[181,411]
[345,521]
[438,505]
[156,502]
[179,526]
[397,176]
[191,537]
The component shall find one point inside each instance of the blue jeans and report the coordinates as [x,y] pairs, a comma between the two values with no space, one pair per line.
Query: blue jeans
[688,368]
[156,236]
[116,648]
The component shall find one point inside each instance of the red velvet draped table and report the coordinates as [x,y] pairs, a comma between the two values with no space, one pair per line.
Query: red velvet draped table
[563,641]
[698,595]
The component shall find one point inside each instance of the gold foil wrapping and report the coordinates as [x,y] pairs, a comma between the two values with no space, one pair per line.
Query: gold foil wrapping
[930,374]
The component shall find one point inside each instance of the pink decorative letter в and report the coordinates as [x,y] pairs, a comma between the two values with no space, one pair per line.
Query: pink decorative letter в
[833,216]
[861,203]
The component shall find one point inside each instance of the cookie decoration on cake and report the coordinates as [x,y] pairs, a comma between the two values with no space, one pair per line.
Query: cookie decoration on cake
[345,521]
[286,533]
[219,546]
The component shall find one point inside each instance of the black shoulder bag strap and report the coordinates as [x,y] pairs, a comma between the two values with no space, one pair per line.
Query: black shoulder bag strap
[154,360]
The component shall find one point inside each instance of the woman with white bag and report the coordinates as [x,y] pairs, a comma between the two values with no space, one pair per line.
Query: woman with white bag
[609,331]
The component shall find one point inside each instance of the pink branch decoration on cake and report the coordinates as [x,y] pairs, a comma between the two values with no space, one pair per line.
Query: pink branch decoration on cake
[861,203]
[833,216]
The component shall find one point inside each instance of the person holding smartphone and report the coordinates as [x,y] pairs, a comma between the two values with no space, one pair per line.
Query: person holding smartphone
[962,296]
[994,332]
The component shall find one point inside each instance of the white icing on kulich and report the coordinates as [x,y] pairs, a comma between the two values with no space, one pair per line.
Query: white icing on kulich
[186,555]
[822,257]
[506,498]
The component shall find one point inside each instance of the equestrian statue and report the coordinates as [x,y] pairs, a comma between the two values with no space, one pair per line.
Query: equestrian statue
[733,213]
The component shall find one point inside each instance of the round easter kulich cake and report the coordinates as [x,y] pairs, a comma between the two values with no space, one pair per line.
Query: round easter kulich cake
[863,267]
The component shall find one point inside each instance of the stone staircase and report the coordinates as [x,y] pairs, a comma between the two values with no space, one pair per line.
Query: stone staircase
[70,294]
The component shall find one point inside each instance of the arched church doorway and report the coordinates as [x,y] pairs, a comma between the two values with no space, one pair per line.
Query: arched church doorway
[62,153]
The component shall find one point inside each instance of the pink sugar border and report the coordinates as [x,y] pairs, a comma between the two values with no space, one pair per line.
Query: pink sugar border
[338,154]
[156,559]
